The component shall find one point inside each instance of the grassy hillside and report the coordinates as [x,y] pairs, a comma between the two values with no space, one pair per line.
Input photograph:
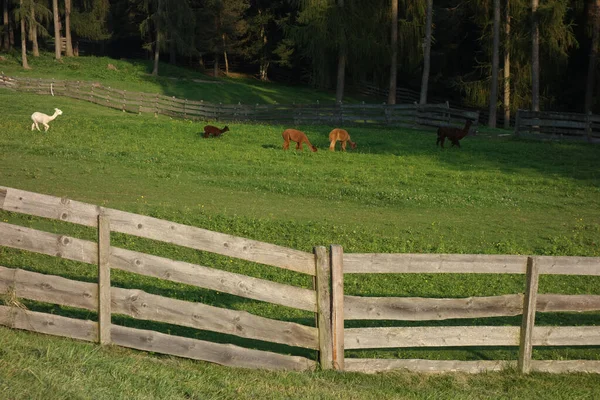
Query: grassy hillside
[396,192]
[175,81]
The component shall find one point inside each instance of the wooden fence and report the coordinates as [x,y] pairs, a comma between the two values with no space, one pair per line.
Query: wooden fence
[400,115]
[557,125]
[327,300]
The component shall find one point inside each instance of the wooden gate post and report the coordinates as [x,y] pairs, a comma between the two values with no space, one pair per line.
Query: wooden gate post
[322,285]
[529,308]
[104,279]
[337,305]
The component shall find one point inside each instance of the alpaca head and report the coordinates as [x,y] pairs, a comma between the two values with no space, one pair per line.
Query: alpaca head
[226,129]
[353,145]
[57,111]
[314,148]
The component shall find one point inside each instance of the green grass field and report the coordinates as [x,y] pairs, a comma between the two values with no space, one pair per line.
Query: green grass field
[396,192]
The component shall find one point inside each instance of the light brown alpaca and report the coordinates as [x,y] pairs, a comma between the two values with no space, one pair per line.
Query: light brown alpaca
[213,130]
[342,136]
[296,136]
[454,134]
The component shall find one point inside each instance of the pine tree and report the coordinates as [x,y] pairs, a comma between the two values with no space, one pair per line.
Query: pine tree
[594,18]
[495,62]
[426,52]
[394,51]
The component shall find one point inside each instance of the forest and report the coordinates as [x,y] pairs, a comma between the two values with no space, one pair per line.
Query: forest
[500,55]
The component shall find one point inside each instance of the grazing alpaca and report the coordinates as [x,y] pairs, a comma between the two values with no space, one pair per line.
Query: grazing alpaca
[454,134]
[342,136]
[41,118]
[298,137]
[213,130]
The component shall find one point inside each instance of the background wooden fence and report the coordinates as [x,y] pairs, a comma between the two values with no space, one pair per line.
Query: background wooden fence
[401,115]
[327,300]
[558,125]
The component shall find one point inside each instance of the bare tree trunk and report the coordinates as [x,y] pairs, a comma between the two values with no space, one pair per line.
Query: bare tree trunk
[495,62]
[156,53]
[57,39]
[394,60]
[589,90]
[6,25]
[33,33]
[426,53]
[264,61]
[225,55]
[535,57]
[216,66]
[23,39]
[341,68]
[507,66]
[69,49]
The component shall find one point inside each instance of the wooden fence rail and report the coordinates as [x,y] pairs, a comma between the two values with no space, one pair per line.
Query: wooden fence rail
[555,125]
[401,115]
[327,299]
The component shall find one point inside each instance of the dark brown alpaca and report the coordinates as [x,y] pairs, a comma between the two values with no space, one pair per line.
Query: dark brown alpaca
[213,130]
[296,136]
[453,134]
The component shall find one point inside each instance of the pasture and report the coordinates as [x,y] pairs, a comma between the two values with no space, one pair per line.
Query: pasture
[396,192]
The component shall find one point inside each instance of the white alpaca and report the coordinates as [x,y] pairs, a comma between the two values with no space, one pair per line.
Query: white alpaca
[41,118]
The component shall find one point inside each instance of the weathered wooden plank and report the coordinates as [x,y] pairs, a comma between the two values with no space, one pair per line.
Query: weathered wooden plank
[50,207]
[142,305]
[337,305]
[215,242]
[552,123]
[224,354]
[528,322]
[51,244]
[214,279]
[153,228]
[322,283]
[104,295]
[50,324]
[49,288]
[566,366]
[427,309]
[371,366]
[447,336]
[431,263]
[163,268]
[566,336]
[565,265]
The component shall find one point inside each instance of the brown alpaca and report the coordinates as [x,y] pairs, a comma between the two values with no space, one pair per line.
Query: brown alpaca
[342,136]
[213,130]
[296,136]
[453,134]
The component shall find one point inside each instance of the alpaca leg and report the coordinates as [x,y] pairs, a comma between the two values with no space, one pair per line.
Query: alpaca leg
[299,146]
[344,145]
[442,141]
[286,144]
[332,145]
[46,127]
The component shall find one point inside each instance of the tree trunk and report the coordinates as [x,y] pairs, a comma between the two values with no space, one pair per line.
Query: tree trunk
[341,68]
[495,62]
[535,57]
[156,52]
[426,52]
[225,55]
[216,66]
[264,60]
[507,66]
[33,33]
[589,90]
[69,49]
[6,26]
[394,60]
[57,40]
[23,39]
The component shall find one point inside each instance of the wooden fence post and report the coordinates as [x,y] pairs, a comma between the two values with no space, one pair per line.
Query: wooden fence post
[588,126]
[104,296]
[337,305]
[322,286]
[517,123]
[529,307]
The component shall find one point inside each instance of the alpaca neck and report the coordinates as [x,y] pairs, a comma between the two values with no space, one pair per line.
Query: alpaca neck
[53,116]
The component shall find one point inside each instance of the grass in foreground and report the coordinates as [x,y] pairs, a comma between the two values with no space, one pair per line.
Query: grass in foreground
[41,367]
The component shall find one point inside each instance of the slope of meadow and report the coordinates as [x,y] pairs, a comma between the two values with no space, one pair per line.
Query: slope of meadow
[396,192]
